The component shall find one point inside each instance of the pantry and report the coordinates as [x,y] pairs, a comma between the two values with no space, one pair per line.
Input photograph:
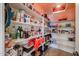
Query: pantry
[33,28]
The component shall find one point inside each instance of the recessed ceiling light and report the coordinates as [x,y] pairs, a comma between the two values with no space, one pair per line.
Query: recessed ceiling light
[58,6]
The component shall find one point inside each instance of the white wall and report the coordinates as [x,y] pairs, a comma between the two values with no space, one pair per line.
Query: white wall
[1,30]
[77,28]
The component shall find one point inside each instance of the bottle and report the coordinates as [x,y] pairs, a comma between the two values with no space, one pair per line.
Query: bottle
[18,32]
[13,33]
[21,32]
[26,34]
[25,18]
[39,31]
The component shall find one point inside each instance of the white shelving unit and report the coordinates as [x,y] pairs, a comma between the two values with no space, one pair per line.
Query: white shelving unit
[62,38]
[20,6]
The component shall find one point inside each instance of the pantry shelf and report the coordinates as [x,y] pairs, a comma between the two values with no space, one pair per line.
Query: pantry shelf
[33,50]
[66,48]
[47,33]
[21,40]
[45,26]
[66,43]
[62,34]
[20,6]
[66,21]
[22,23]
[27,54]
[66,28]
[29,46]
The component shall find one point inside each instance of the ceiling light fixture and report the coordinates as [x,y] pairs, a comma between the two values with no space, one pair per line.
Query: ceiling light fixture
[58,6]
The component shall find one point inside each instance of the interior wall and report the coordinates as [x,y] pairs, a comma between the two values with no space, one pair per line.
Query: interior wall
[1,30]
[71,11]
[77,28]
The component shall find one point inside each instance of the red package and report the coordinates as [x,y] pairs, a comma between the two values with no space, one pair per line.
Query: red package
[30,42]
[42,40]
[37,43]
